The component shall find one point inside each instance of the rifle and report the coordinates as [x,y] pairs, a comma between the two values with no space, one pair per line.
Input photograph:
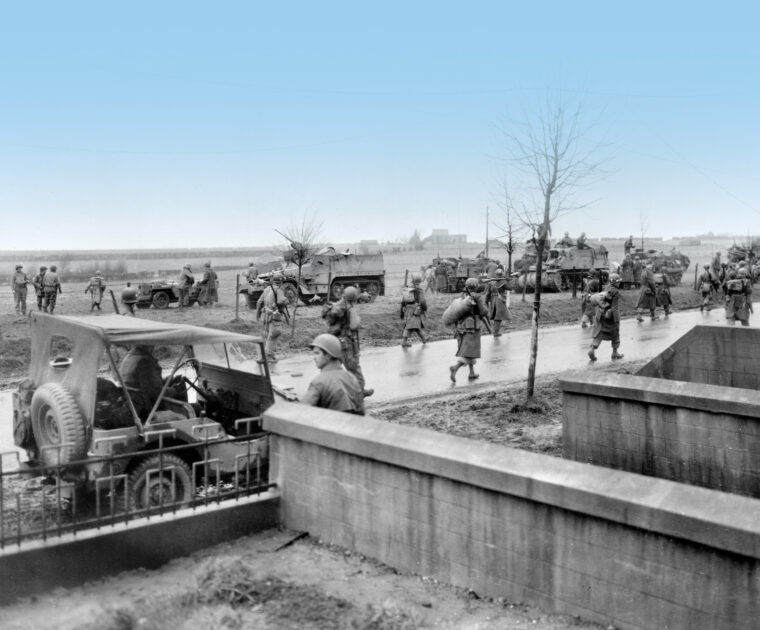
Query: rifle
[484,318]
[115,304]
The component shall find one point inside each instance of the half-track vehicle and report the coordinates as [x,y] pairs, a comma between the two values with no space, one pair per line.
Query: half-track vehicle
[323,277]
[161,294]
[738,253]
[459,269]
[74,412]
[672,264]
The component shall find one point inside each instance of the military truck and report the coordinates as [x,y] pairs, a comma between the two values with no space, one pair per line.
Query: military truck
[323,277]
[75,416]
[161,294]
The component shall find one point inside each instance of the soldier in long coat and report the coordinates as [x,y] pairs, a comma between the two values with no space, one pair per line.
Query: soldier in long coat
[468,331]
[186,280]
[647,295]
[588,309]
[96,287]
[413,310]
[738,297]
[662,291]
[208,295]
[607,320]
[706,289]
[496,301]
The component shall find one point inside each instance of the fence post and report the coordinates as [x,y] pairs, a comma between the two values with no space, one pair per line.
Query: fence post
[237,296]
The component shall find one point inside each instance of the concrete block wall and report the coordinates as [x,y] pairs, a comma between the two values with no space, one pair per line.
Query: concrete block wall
[610,546]
[714,355]
[703,435]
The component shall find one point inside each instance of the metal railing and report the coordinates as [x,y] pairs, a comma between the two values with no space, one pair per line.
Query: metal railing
[37,503]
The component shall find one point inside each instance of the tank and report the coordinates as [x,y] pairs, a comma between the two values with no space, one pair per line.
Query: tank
[673,264]
[551,280]
[459,269]
[569,264]
[738,253]
[324,276]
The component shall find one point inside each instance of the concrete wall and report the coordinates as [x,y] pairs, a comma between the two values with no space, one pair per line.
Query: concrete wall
[38,567]
[703,435]
[610,546]
[714,355]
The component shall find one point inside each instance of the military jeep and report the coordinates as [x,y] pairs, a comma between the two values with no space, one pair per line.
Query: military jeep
[74,413]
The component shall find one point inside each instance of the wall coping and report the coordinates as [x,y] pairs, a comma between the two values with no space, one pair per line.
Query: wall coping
[709,517]
[659,391]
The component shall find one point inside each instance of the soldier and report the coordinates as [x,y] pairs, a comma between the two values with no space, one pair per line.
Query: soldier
[626,271]
[442,277]
[141,372]
[648,295]
[468,331]
[51,287]
[491,268]
[738,297]
[565,241]
[581,242]
[186,280]
[96,287]
[413,309]
[129,299]
[496,301]
[430,279]
[208,296]
[607,319]
[588,308]
[344,322]
[334,387]
[638,269]
[706,289]
[38,288]
[251,274]
[19,281]
[662,290]
[628,245]
[273,304]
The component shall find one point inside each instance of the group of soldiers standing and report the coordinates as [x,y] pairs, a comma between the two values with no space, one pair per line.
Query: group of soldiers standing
[47,286]
[732,281]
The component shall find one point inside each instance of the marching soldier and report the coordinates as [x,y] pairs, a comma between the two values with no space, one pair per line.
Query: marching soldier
[51,287]
[496,301]
[588,309]
[344,322]
[738,297]
[647,296]
[19,283]
[334,387]
[208,295]
[38,288]
[638,269]
[662,290]
[607,319]
[468,330]
[96,287]
[186,280]
[706,289]
[273,305]
[413,309]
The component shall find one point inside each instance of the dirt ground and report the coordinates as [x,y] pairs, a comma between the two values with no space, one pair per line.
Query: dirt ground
[263,582]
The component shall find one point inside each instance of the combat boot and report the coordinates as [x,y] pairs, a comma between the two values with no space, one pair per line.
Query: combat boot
[591,354]
[616,354]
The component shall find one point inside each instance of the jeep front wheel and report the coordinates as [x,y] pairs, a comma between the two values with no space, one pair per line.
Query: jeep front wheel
[57,425]
[160,481]
[161,300]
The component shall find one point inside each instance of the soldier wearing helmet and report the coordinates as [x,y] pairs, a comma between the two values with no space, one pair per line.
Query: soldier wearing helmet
[588,308]
[706,288]
[129,299]
[738,291]
[344,322]
[413,310]
[607,319]
[19,283]
[272,307]
[96,287]
[647,295]
[38,288]
[51,287]
[252,273]
[496,301]
[662,289]
[186,280]
[334,387]
[471,319]
[209,283]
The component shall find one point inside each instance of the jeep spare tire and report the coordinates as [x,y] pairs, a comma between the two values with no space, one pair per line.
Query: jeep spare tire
[56,420]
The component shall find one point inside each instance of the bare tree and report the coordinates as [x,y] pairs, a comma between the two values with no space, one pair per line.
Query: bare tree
[510,226]
[552,150]
[643,226]
[303,240]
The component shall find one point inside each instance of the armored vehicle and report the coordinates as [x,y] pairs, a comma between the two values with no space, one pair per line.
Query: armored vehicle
[74,411]
[323,277]
[161,294]
[673,264]
[738,253]
[459,269]
[562,266]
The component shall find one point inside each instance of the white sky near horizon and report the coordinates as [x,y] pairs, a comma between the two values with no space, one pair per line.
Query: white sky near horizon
[149,125]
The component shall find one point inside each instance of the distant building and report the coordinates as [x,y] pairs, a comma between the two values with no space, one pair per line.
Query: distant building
[442,237]
[369,247]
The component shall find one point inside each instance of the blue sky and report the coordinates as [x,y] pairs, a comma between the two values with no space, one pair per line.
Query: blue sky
[211,124]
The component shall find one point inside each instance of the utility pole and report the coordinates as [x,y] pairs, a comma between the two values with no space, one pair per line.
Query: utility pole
[486,231]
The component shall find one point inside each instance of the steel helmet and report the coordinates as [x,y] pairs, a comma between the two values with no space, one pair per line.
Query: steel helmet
[743,273]
[416,279]
[706,266]
[471,283]
[615,278]
[499,272]
[329,344]
[19,266]
[53,268]
[43,268]
[351,294]
[277,277]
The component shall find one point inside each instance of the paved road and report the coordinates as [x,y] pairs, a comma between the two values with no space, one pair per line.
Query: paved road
[397,372]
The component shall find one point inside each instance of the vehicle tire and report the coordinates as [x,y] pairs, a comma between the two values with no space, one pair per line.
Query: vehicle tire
[291,292]
[336,290]
[56,419]
[161,300]
[148,488]
[373,288]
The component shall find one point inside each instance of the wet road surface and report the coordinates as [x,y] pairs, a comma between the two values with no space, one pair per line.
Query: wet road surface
[400,373]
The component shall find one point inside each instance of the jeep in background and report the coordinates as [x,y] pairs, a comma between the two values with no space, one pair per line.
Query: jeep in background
[161,294]
[74,412]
